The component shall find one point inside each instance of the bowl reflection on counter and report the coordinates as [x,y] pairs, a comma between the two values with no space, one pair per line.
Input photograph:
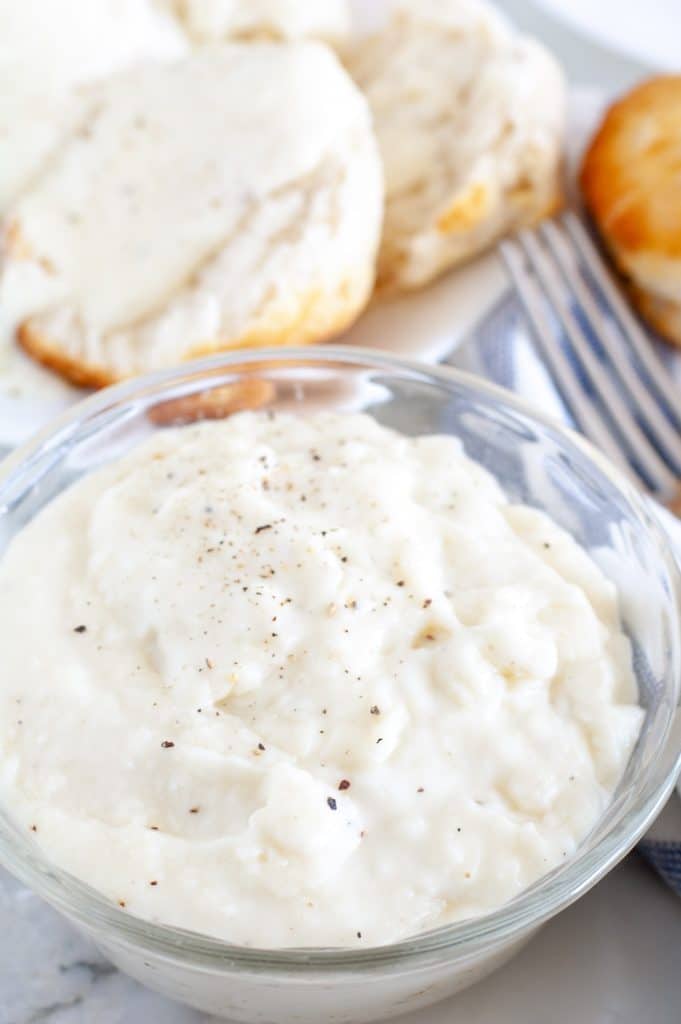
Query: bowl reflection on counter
[536,462]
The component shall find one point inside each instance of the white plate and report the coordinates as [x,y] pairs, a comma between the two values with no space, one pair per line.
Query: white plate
[649,32]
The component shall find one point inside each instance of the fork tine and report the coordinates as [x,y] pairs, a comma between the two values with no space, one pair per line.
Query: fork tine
[646,459]
[584,412]
[631,330]
[645,409]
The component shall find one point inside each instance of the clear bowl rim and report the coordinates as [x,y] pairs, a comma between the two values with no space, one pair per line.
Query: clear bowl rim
[545,898]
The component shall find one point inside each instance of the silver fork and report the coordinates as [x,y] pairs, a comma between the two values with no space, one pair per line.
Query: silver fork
[601,361]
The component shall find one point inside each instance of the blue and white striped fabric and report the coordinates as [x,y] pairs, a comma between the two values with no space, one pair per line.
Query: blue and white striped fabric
[662,845]
[500,348]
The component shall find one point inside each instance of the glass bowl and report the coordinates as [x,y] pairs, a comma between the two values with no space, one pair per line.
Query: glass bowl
[537,462]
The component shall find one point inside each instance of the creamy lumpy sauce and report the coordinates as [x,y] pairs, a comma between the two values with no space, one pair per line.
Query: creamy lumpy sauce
[305,681]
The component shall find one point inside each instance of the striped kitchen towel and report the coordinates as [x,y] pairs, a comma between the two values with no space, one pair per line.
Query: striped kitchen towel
[662,845]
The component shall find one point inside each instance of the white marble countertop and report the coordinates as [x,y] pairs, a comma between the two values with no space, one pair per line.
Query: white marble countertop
[612,958]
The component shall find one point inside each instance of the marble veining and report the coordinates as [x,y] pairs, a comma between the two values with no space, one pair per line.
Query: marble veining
[49,973]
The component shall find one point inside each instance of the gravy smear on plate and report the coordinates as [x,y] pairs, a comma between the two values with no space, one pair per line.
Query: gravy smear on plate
[300,680]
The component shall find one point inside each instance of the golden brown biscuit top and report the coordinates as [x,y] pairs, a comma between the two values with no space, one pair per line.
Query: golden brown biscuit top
[631,173]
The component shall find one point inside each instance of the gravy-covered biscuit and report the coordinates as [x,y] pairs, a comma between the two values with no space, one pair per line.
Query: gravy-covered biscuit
[469,119]
[210,21]
[217,403]
[48,50]
[206,205]
[631,184]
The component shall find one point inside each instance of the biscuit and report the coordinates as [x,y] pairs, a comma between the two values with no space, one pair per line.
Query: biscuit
[47,51]
[209,21]
[201,206]
[631,187]
[216,403]
[469,118]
